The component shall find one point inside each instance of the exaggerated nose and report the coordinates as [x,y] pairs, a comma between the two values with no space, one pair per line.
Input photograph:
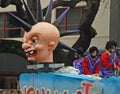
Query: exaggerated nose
[26,46]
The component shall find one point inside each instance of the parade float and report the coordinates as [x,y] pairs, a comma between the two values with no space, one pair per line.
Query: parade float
[40,39]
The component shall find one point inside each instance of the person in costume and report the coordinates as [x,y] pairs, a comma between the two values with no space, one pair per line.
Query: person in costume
[110,60]
[77,63]
[91,62]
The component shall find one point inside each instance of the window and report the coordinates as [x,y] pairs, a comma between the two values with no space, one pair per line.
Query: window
[8,26]
[71,20]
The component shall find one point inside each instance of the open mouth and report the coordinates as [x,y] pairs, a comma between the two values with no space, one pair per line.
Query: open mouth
[31,53]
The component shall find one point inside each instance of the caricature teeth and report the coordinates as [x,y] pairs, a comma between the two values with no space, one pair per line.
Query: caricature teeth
[30,52]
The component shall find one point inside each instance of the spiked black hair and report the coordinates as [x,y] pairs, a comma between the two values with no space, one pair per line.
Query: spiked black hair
[109,44]
[93,48]
[39,18]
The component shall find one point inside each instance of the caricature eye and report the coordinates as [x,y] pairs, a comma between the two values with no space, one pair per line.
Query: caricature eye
[34,41]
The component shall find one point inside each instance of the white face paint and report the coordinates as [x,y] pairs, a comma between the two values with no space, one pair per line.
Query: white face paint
[113,49]
[94,53]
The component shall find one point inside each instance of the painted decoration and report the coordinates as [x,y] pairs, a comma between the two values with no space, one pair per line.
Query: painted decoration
[55,83]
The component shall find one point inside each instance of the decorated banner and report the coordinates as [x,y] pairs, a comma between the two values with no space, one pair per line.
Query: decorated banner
[54,83]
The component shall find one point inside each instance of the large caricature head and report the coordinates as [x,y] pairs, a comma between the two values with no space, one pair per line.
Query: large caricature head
[40,42]
[41,36]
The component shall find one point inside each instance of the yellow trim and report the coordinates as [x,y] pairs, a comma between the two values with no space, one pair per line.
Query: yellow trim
[107,51]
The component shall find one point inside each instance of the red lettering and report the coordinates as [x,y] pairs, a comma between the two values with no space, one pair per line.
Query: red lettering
[37,92]
[20,92]
[25,91]
[78,92]
[43,91]
[30,90]
[87,86]
[65,92]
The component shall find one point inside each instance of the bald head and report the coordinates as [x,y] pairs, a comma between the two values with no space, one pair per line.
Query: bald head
[47,30]
[40,42]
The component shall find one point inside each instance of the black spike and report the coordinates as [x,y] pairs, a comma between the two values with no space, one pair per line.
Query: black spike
[24,24]
[39,13]
[48,15]
[31,17]
[69,32]
[64,46]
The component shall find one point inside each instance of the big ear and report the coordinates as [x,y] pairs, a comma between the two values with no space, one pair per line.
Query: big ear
[51,46]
